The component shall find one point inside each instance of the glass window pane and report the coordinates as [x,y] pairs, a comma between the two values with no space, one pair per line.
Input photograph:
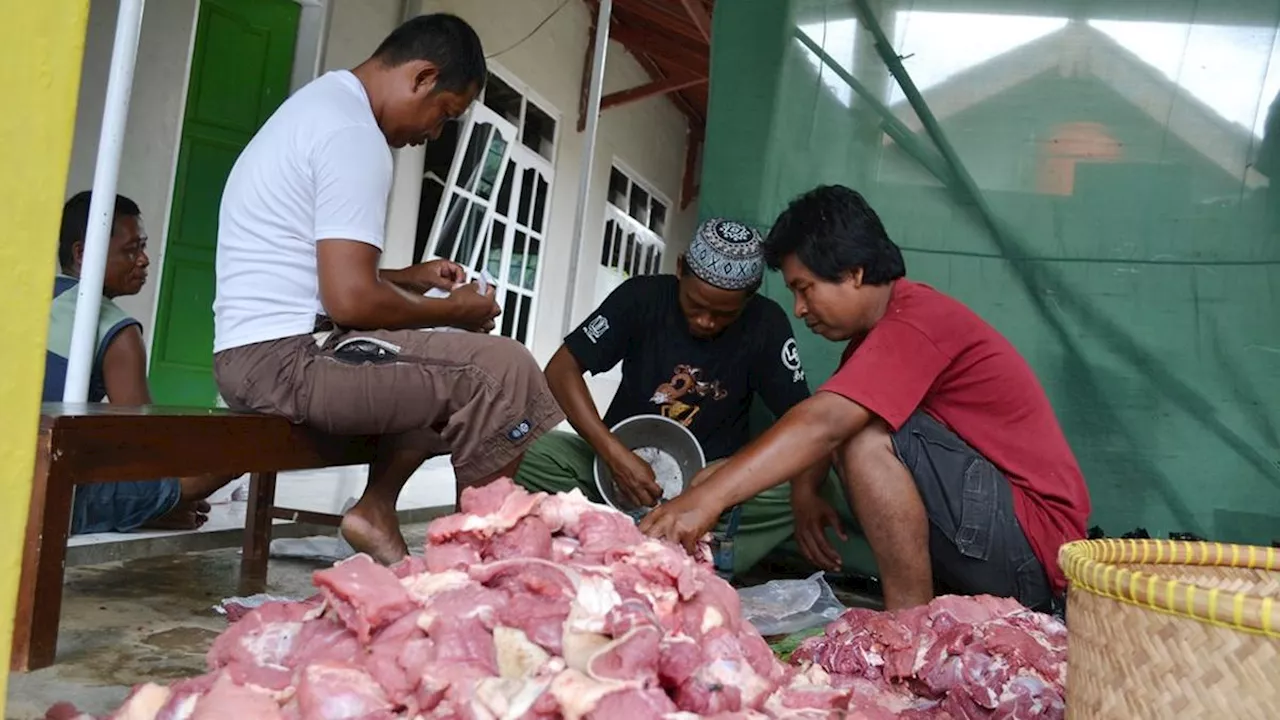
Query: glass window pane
[497,238]
[607,245]
[658,218]
[531,262]
[449,228]
[618,185]
[539,131]
[469,237]
[509,312]
[522,324]
[639,205]
[629,259]
[526,196]
[469,171]
[502,99]
[439,153]
[492,161]
[618,240]
[539,203]
[503,207]
[517,258]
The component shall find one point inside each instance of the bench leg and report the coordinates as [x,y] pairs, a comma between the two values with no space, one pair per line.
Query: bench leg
[257,533]
[39,605]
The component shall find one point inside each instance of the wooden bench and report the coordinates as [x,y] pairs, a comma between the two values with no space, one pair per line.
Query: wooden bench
[93,443]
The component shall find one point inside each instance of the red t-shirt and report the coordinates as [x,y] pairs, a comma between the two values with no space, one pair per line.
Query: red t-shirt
[931,352]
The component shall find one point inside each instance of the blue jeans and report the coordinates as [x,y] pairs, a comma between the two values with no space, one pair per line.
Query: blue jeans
[122,507]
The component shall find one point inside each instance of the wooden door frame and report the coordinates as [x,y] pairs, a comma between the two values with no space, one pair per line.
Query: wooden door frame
[308,57]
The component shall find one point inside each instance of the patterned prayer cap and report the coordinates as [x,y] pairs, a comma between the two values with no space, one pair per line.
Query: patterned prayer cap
[726,254]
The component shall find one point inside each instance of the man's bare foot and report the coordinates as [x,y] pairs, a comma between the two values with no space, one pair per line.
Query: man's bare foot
[184,516]
[373,529]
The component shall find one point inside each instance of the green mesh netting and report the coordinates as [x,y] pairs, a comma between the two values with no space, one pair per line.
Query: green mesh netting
[1118,226]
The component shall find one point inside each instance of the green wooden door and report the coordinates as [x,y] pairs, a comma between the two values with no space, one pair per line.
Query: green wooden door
[240,72]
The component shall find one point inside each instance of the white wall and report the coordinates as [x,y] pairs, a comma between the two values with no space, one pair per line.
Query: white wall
[647,136]
[356,28]
[155,112]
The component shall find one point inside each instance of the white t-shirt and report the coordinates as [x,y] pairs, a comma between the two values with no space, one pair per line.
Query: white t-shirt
[319,168]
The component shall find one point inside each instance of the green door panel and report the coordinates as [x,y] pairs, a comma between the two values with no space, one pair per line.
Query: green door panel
[240,71]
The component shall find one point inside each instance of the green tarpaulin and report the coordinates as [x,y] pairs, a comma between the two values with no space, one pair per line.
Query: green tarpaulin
[1118,228]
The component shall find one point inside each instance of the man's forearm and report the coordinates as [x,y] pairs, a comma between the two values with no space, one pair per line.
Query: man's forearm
[402,279]
[800,441]
[387,306]
[564,377]
[811,480]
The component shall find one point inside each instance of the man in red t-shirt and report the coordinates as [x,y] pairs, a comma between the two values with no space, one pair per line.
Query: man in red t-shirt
[949,451]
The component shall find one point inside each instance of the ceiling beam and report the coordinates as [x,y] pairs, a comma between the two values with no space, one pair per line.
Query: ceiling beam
[660,12]
[701,19]
[682,103]
[695,60]
[648,90]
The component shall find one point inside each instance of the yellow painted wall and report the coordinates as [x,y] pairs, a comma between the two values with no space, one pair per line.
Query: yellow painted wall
[41,46]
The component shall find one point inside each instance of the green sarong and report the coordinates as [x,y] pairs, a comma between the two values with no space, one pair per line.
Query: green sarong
[561,461]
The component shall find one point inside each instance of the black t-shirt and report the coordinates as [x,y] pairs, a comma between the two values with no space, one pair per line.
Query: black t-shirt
[707,385]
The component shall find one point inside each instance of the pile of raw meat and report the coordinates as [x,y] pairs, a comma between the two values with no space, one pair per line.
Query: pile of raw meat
[957,657]
[529,606]
[525,606]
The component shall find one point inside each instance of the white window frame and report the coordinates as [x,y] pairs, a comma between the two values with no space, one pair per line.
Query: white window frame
[647,240]
[518,157]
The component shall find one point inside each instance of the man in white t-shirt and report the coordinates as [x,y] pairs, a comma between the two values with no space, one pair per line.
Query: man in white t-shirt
[306,325]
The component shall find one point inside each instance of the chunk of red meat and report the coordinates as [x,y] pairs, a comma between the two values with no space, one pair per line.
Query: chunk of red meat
[410,566]
[563,512]
[472,601]
[366,595]
[227,700]
[530,538]
[337,691]
[628,615]
[538,597]
[708,697]
[322,638]
[458,554]
[486,511]
[1028,696]
[261,638]
[633,704]
[382,658]
[564,548]
[971,656]
[679,657]
[464,641]
[632,657]
[490,498]
[600,531]
[662,564]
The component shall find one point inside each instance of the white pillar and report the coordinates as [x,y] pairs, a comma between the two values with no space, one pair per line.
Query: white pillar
[588,155]
[84,333]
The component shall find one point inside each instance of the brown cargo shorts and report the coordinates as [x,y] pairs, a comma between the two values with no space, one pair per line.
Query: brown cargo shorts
[482,396]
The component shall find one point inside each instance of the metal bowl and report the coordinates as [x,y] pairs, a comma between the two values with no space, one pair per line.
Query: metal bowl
[647,436]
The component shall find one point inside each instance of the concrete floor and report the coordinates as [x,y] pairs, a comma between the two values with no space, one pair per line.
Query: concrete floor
[125,623]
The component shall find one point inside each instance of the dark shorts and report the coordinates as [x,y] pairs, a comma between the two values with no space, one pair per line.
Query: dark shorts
[975,541]
[122,507]
[481,398]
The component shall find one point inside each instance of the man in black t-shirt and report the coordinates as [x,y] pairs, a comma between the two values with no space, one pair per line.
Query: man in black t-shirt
[697,348]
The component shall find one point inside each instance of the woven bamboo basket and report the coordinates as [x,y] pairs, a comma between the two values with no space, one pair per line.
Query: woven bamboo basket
[1162,629]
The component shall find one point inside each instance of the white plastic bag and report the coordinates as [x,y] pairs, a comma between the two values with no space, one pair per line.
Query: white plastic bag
[782,607]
